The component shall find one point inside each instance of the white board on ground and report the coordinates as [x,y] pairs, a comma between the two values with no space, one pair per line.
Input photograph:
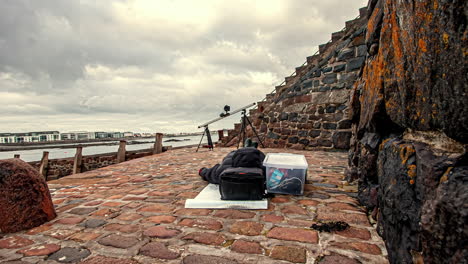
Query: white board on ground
[210,198]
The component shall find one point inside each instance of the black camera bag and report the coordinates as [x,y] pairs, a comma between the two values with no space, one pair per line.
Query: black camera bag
[240,183]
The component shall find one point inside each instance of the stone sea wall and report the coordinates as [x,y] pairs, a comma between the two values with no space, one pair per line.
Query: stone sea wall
[58,168]
[310,110]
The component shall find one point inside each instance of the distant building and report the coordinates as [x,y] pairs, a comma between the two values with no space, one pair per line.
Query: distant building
[103,135]
[41,136]
[77,135]
[128,134]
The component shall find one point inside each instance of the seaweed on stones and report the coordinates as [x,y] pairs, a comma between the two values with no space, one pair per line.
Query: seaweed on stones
[330,226]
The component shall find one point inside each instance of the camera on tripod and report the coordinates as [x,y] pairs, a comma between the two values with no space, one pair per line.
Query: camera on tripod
[226,113]
[244,122]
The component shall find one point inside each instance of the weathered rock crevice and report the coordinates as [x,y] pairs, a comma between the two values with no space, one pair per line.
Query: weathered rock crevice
[410,129]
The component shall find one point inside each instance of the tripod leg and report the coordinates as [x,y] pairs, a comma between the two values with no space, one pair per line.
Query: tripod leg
[241,132]
[208,136]
[201,140]
[255,132]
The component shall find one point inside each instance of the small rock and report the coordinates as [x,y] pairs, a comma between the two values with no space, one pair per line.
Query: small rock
[333,259]
[93,223]
[292,254]
[70,255]
[15,242]
[293,234]
[161,232]
[41,250]
[158,250]
[201,259]
[206,238]
[118,241]
[243,246]
[246,228]
[108,260]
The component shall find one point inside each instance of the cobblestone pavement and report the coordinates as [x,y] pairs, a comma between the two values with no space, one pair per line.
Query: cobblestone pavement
[133,212]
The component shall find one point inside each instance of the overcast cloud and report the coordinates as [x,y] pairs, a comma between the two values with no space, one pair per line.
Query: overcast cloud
[150,65]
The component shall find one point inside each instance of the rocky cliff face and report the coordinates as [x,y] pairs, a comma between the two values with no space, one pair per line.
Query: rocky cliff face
[410,128]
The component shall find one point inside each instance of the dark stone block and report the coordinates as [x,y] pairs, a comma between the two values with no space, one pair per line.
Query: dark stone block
[307,84]
[317,125]
[444,219]
[304,142]
[355,64]
[329,78]
[316,83]
[283,116]
[317,73]
[327,69]
[330,109]
[341,107]
[361,50]
[344,124]
[345,54]
[293,140]
[273,135]
[329,125]
[293,117]
[341,140]
[399,210]
[324,142]
[321,110]
[303,133]
[324,88]
[314,133]
[339,68]
[70,255]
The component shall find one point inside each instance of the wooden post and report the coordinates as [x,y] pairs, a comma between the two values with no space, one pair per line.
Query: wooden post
[220,134]
[16,156]
[44,167]
[78,160]
[121,152]
[158,144]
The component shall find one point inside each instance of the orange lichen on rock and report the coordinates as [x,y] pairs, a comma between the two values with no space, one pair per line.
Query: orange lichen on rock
[422,45]
[406,152]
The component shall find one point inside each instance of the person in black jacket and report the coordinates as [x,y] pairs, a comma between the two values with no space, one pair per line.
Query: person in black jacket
[249,157]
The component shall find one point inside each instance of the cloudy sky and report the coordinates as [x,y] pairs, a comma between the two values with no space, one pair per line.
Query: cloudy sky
[151,65]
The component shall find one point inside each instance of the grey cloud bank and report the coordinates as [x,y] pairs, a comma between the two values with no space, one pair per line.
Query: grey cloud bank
[138,65]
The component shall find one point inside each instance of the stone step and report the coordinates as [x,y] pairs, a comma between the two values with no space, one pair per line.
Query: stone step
[232,132]
[324,47]
[279,88]
[351,23]
[337,35]
[313,59]
[289,79]
[270,96]
[363,12]
[300,69]
[261,106]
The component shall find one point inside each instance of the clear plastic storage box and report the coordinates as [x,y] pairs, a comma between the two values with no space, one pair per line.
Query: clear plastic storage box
[285,173]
